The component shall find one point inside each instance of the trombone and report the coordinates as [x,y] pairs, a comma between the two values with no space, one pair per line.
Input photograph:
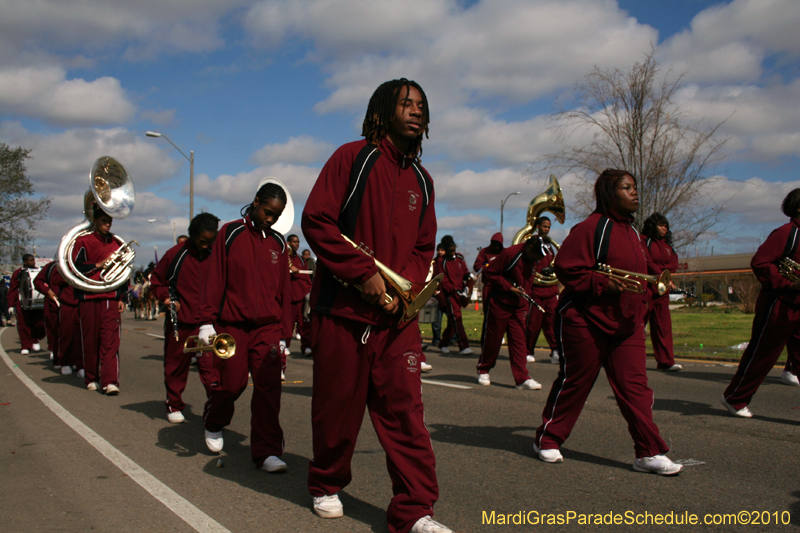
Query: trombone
[790,269]
[223,346]
[633,281]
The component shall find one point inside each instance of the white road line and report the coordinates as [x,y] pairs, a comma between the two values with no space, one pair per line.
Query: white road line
[156,336]
[443,384]
[171,499]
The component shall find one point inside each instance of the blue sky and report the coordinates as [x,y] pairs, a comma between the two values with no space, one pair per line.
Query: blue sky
[258,88]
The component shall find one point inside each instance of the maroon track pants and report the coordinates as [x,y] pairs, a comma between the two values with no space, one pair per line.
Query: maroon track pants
[357,367]
[454,323]
[70,351]
[100,332]
[793,354]
[177,365]
[774,324]
[51,328]
[257,351]
[661,332]
[584,351]
[29,326]
[497,320]
[303,327]
[542,322]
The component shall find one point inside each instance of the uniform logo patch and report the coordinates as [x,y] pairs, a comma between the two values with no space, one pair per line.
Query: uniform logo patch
[413,198]
[274,257]
[412,360]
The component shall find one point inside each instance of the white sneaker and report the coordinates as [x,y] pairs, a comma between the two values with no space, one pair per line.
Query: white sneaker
[465,351]
[307,351]
[658,464]
[273,465]
[328,506]
[66,370]
[445,349]
[111,389]
[789,379]
[554,356]
[425,367]
[483,379]
[529,384]
[531,359]
[36,347]
[24,352]
[297,336]
[175,417]
[51,356]
[283,376]
[214,440]
[426,524]
[93,386]
[552,455]
[81,373]
[674,368]
[744,412]
[286,352]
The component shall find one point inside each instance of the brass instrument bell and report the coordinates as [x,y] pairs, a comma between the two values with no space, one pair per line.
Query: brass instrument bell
[223,346]
[633,281]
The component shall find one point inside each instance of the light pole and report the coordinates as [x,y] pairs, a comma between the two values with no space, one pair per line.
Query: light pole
[502,205]
[190,157]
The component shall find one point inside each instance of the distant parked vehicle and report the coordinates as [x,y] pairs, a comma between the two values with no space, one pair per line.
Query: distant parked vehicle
[676,295]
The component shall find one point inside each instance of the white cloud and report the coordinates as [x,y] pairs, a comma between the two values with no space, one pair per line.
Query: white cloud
[46,93]
[302,150]
[241,188]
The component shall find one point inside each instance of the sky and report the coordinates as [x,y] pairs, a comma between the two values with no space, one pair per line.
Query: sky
[273,87]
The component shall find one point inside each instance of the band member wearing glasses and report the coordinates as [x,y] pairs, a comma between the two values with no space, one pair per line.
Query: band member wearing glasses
[29,321]
[658,239]
[601,325]
[248,296]
[510,276]
[777,317]
[182,274]
[547,298]
[377,194]
[100,313]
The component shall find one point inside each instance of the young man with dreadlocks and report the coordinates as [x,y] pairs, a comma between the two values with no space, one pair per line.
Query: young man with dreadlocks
[377,194]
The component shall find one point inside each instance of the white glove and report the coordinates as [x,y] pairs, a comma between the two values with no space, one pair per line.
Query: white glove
[10,310]
[206,333]
[283,345]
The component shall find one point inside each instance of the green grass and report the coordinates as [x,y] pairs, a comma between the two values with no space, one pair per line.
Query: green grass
[700,332]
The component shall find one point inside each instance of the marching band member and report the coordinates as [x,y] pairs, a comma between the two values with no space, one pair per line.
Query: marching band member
[100,313]
[42,283]
[658,239]
[249,297]
[362,357]
[301,285]
[546,297]
[599,324]
[69,326]
[455,271]
[510,276]
[777,317]
[29,321]
[485,257]
[182,272]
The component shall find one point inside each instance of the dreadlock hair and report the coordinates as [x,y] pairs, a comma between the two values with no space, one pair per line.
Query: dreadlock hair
[650,227]
[791,204]
[381,111]
[605,190]
[269,191]
[202,223]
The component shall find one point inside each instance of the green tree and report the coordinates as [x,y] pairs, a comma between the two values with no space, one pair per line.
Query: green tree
[633,123]
[19,213]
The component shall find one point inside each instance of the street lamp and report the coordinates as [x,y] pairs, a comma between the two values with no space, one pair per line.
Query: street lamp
[190,157]
[502,205]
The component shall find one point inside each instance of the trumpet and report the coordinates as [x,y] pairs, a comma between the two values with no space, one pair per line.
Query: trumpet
[790,269]
[223,346]
[633,281]
[410,301]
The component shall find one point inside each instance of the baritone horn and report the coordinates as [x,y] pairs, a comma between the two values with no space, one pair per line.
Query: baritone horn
[790,269]
[551,200]
[110,189]
[410,301]
[223,346]
[634,281]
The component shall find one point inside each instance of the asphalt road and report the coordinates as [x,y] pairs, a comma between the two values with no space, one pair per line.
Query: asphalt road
[54,479]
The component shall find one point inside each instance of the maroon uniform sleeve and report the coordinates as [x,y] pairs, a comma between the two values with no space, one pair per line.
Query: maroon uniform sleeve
[480,261]
[494,272]
[217,276]
[764,262]
[158,278]
[13,288]
[320,217]
[40,281]
[418,265]
[574,264]
[287,319]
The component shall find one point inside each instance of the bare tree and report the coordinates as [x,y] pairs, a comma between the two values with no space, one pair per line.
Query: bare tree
[635,125]
[18,214]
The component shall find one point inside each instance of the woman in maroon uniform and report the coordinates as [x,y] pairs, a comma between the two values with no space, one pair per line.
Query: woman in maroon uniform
[777,317]
[455,271]
[600,325]
[658,239]
[182,274]
[42,283]
[547,298]
[248,296]
[301,286]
